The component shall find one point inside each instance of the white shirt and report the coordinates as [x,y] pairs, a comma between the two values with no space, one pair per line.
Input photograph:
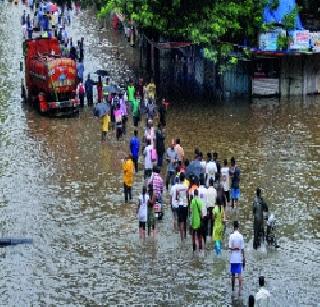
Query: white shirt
[211,170]
[147,157]
[236,241]
[225,178]
[149,134]
[143,208]
[181,194]
[203,196]
[173,197]
[203,166]
[211,197]
[263,298]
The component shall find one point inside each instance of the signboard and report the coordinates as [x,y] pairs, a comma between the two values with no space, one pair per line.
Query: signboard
[300,40]
[315,41]
[268,40]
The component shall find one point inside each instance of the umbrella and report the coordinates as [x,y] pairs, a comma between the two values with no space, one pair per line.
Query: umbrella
[101,72]
[53,8]
[113,89]
[101,109]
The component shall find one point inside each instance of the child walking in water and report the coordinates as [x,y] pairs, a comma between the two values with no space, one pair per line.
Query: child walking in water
[143,212]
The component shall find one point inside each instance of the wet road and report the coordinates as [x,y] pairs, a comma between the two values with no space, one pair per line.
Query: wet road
[61,188]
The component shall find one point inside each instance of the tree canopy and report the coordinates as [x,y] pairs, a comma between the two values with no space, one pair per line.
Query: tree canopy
[213,24]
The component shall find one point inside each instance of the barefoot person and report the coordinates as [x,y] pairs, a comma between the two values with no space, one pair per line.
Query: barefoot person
[237,260]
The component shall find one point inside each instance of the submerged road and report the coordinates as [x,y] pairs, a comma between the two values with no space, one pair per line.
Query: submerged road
[62,188]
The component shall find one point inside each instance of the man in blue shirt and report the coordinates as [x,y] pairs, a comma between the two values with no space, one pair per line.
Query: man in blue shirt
[134,149]
[195,167]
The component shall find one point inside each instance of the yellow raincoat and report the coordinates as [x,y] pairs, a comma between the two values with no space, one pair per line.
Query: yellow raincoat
[105,120]
[128,172]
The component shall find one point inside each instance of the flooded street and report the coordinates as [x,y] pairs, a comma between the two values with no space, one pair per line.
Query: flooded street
[63,189]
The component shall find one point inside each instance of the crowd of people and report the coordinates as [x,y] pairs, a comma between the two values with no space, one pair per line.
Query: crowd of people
[200,189]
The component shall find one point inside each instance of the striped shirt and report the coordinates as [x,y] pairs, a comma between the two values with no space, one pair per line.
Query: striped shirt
[157,183]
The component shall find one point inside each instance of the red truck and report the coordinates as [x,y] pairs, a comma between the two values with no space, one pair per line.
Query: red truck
[50,79]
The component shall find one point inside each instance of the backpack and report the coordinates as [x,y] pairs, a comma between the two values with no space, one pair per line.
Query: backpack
[81,89]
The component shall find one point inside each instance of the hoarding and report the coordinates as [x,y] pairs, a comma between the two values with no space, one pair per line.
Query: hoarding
[268,40]
[300,40]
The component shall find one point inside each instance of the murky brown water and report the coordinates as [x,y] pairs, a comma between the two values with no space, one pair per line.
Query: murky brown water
[60,187]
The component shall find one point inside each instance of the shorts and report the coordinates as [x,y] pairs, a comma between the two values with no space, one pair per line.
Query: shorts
[182,214]
[227,193]
[235,268]
[235,194]
[142,225]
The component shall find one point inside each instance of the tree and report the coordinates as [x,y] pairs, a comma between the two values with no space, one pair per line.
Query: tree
[215,25]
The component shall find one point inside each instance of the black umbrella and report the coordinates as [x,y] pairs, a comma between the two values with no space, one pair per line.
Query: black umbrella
[101,72]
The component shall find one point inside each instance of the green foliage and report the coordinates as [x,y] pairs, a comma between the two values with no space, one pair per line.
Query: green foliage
[283,42]
[213,24]
[288,20]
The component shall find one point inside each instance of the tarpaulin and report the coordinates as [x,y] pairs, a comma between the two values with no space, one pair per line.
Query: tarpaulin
[276,16]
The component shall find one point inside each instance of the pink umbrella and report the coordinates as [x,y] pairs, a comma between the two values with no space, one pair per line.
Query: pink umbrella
[53,7]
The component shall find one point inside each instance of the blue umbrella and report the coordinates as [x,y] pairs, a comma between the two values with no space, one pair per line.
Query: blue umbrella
[101,109]
[113,89]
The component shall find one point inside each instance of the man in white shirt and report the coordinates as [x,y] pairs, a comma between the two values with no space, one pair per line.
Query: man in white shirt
[147,153]
[174,206]
[211,203]
[236,247]
[182,202]
[211,169]
[263,295]
[225,180]
[204,212]
[179,150]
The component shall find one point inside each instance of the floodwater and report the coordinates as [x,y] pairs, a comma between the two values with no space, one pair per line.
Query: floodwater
[62,188]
